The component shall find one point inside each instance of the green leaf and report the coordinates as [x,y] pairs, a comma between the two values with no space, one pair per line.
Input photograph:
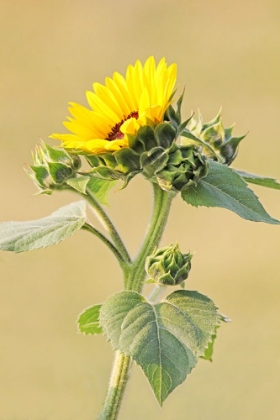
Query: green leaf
[79,183]
[165,339]
[260,180]
[34,234]
[88,320]
[223,187]
[101,188]
[209,350]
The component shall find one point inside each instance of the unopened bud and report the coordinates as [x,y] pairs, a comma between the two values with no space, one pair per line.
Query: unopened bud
[216,142]
[52,167]
[168,265]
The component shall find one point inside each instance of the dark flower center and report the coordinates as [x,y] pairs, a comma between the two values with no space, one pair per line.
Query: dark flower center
[115,133]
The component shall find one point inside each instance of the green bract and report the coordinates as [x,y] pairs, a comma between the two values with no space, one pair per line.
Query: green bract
[154,153]
[168,265]
[176,169]
[124,164]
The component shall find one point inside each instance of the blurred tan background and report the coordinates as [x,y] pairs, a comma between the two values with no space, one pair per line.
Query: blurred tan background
[228,53]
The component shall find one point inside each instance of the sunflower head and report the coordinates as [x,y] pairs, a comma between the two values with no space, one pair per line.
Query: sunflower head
[120,108]
[132,127]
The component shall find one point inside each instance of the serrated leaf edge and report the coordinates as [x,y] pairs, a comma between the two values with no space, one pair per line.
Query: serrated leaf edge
[79,316]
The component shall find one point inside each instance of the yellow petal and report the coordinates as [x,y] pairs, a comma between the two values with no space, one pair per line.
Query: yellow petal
[130,126]
[144,92]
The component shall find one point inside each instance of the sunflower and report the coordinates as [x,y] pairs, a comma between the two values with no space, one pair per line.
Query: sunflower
[120,108]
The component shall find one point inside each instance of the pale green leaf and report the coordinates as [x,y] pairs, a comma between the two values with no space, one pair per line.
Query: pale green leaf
[165,339]
[79,183]
[210,348]
[101,188]
[208,354]
[260,180]
[88,320]
[34,234]
[223,187]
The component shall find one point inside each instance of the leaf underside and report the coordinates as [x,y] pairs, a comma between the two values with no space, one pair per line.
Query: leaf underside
[34,234]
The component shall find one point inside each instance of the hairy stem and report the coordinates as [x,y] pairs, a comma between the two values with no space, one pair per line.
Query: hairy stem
[107,224]
[116,388]
[157,293]
[134,275]
[89,228]
[162,203]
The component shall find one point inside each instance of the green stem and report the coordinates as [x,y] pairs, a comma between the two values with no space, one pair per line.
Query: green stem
[162,203]
[156,293]
[134,276]
[107,224]
[116,389]
[89,228]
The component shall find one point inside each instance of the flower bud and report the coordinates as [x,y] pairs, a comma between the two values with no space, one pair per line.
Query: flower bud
[177,168]
[52,167]
[168,265]
[216,142]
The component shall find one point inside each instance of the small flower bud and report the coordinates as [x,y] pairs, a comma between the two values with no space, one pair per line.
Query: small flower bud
[177,168]
[168,265]
[52,167]
[216,142]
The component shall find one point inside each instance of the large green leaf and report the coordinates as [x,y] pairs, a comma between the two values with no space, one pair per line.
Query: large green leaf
[101,188]
[223,187]
[260,180]
[34,234]
[165,339]
[88,320]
